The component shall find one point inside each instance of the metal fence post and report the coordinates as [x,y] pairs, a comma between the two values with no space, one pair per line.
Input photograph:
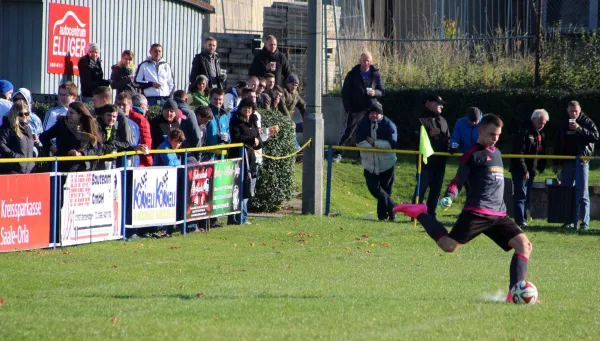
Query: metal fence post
[185,165]
[124,198]
[55,203]
[328,186]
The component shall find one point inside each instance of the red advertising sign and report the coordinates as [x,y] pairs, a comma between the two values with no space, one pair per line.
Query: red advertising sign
[68,37]
[24,211]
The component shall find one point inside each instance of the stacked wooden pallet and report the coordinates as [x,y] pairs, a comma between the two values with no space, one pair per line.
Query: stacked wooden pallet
[236,52]
[289,23]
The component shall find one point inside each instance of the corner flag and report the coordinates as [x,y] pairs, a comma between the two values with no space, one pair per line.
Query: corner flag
[425,145]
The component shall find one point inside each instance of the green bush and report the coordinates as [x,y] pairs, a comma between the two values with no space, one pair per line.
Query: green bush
[514,106]
[275,182]
[153,112]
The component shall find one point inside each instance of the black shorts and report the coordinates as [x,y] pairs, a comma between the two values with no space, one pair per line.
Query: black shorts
[499,229]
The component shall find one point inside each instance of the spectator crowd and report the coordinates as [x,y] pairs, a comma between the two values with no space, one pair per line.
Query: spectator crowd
[87,121]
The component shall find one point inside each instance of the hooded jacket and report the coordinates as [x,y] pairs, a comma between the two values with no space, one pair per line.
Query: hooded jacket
[91,75]
[465,134]
[169,159]
[529,141]
[159,72]
[201,66]
[263,58]
[219,124]
[34,120]
[573,142]
[354,90]
[14,146]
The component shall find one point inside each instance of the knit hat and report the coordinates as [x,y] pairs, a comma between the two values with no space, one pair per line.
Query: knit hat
[292,79]
[376,107]
[170,104]
[5,86]
[199,78]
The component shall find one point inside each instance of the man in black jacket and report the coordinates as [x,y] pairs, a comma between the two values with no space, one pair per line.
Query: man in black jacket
[363,88]
[432,173]
[576,135]
[91,73]
[103,96]
[529,141]
[270,60]
[207,63]
[190,126]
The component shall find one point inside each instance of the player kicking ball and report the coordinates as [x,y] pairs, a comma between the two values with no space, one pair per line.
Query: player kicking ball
[484,210]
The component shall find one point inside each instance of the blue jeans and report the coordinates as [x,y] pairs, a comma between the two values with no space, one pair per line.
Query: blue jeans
[522,189]
[567,177]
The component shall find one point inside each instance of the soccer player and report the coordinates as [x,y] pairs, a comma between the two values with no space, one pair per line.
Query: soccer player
[484,210]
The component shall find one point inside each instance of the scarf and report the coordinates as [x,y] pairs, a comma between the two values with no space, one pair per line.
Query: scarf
[86,139]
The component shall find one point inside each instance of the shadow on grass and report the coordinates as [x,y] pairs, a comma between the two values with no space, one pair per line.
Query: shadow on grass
[213,297]
[561,230]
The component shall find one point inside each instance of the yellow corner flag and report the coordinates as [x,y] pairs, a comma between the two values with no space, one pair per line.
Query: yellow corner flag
[425,145]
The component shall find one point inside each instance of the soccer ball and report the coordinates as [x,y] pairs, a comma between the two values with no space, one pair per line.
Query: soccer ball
[524,293]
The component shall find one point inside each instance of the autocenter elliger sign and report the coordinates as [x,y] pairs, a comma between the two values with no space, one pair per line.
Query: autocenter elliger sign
[68,36]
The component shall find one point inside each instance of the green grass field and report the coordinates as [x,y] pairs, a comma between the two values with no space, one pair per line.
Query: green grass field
[346,277]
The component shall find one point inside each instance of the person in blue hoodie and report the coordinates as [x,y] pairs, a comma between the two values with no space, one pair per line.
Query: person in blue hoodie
[217,130]
[465,132]
[172,141]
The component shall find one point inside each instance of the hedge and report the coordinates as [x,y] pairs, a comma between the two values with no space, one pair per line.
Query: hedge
[275,182]
[514,106]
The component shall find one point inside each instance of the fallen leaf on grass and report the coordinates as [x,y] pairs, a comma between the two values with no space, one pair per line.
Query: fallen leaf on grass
[385,244]
[341,229]
[368,252]
[114,320]
[357,238]
[251,244]
[347,248]
[67,253]
[290,233]
[179,270]
[38,252]
[302,241]
[216,318]
[114,266]
[264,244]
[287,266]
[372,244]
[329,243]
[181,287]
[175,247]
[365,236]
[200,294]
[2,301]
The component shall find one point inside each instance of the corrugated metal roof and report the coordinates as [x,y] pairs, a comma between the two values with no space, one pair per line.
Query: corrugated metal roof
[202,5]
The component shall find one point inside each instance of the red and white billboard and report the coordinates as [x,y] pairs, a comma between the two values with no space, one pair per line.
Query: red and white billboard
[24,211]
[68,37]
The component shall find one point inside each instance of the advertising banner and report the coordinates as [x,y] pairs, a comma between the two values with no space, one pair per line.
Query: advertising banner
[154,196]
[91,209]
[68,37]
[24,211]
[213,189]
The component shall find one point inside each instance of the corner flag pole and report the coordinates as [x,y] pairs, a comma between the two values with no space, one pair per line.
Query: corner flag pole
[418,182]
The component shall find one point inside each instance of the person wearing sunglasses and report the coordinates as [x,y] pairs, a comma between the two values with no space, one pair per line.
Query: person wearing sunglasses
[17,139]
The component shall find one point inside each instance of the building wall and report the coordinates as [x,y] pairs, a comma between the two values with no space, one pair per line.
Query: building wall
[20,34]
[239,15]
[116,25]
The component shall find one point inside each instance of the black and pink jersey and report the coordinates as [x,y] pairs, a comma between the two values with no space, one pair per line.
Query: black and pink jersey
[482,168]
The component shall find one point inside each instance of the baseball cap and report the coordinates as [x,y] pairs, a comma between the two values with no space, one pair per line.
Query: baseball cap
[436,98]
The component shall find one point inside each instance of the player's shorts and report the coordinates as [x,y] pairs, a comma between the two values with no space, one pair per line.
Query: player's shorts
[499,229]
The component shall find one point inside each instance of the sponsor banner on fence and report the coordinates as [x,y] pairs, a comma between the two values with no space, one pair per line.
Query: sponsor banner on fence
[24,211]
[154,196]
[91,209]
[68,37]
[213,189]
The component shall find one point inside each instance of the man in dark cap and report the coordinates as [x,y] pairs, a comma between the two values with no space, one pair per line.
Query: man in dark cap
[161,125]
[432,173]
[377,131]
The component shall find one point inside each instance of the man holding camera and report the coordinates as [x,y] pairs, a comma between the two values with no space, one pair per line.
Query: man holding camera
[576,136]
